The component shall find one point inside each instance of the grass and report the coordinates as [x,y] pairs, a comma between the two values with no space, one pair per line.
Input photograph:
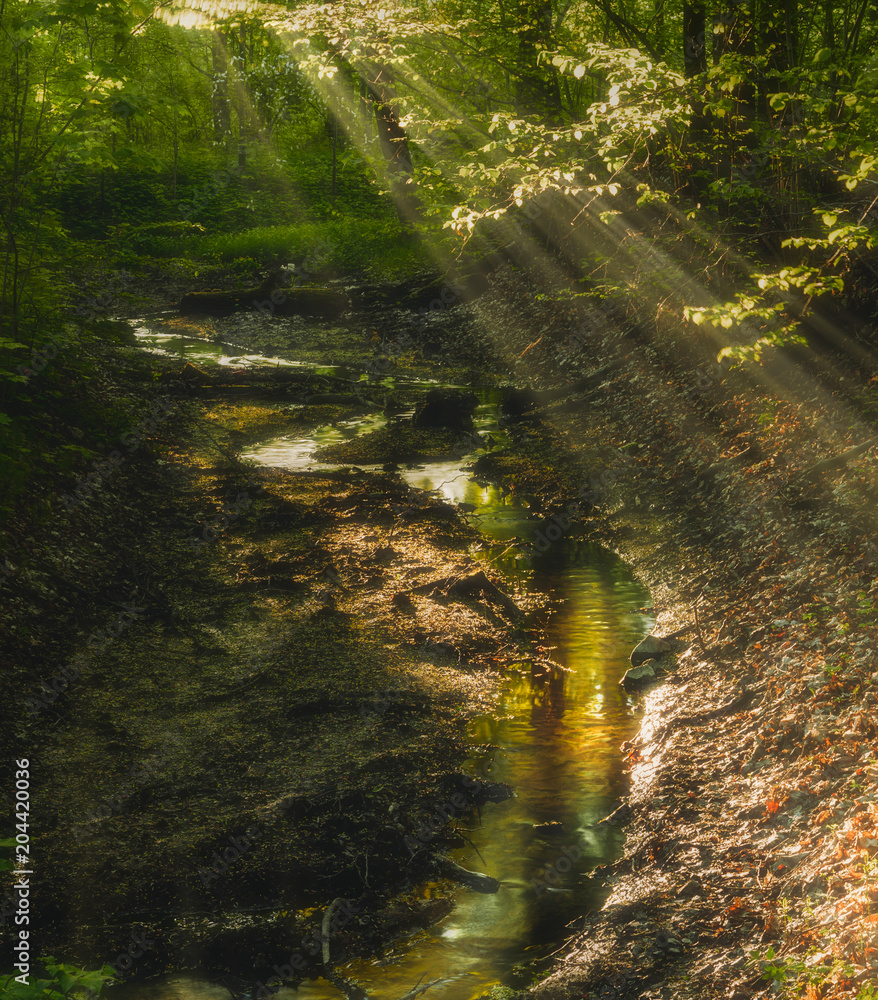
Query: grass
[373,248]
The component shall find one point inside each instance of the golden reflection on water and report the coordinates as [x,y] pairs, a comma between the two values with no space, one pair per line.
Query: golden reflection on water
[559,742]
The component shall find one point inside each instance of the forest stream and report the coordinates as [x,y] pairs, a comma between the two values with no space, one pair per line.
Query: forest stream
[555,733]
[439,500]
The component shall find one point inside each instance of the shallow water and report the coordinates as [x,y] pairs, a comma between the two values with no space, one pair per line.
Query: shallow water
[452,483]
[152,338]
[559,748]
[557,730]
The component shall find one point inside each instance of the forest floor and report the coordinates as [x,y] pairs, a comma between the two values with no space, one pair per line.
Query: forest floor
[240,689]
[753,813]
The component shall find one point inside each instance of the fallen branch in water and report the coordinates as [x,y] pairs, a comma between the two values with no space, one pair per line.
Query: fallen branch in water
[350,990]
[325,927]
[417,989]
[475,880]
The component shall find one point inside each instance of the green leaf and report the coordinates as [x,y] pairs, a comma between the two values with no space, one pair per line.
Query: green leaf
[65,980]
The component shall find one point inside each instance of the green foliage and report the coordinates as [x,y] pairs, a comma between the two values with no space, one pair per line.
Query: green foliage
[754,142]
[158,239]
[378,248]
[501,993]
[792,974]
[56,118]
[58,982]
[251,138]
[7,845]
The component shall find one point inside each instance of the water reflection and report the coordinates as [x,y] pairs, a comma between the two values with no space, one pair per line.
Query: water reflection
[559,738]
[295,451]
[199,351]
[188,988]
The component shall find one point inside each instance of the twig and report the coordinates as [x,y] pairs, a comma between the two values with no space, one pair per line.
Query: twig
[514,545]
[838,460]
[473,846]
[679,632]
[530,347]
[698,626]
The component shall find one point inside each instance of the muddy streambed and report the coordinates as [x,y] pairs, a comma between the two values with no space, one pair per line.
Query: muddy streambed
[558,727]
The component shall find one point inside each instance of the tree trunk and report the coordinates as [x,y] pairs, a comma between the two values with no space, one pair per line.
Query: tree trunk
[780,41]
[694,40]
[695,63]
[219,98]
[658,22]
[394,144]
[334,156]
[243,109]
[733,36]
[536,93]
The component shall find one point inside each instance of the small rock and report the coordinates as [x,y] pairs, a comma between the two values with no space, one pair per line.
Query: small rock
[650,649]
[446,408]
[638,676]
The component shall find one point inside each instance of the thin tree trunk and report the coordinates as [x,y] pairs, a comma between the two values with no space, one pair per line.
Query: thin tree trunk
[242,100]
[219,98]
[536,93]
[694,40]
[695,63]
[394,144]
[334,155]
[176,151]
[780,41]
[658,22]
